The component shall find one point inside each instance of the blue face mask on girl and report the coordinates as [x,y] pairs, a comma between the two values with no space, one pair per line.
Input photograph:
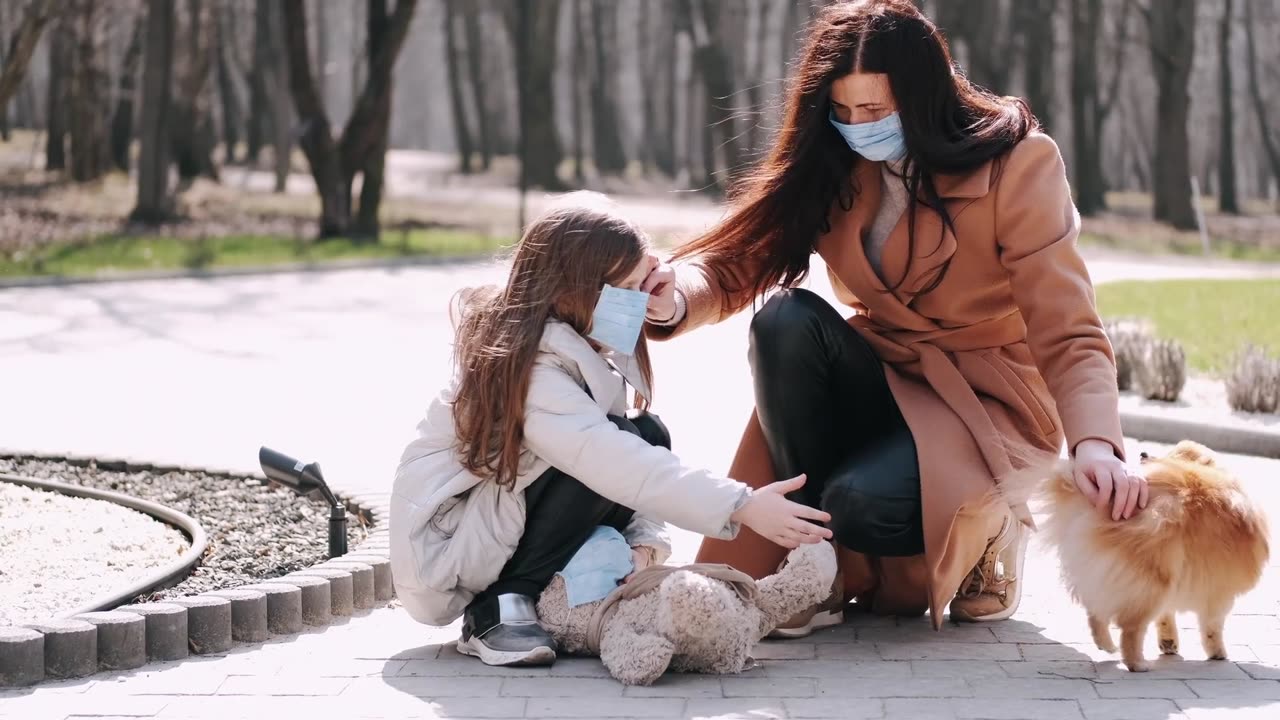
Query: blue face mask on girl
[618,319]
[877,141]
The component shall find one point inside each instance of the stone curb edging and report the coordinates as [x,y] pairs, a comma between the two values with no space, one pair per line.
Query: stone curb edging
[210,623]
[388,263]
[1154,427]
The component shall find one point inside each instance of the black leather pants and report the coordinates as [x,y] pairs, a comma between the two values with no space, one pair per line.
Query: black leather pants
[560,514]
[826,410]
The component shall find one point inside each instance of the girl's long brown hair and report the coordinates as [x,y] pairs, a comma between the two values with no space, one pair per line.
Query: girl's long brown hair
[950,126]
[558,268]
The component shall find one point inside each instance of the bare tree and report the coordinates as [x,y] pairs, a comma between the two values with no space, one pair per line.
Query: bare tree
[453,60]
[658,50]
[1270,143]
[1035,20]
[1227,201]
[575,90]
[1171,31]
[192,133]
[361,148]
[982,28]
[19,48]
[542,151]
[90,105]
[57,95]
[155,203]
[472,12]
[126,88]
[224,46]
[699,17]
[607,151]
[276,83]
[258,128]
[1091,104]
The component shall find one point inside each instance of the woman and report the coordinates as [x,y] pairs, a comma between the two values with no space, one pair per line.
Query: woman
[946,222]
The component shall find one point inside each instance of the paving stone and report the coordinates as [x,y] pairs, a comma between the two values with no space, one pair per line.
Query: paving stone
[166,629]
[679,685]
[851,650]
[769,687]
[561,687]
[966,669]
[122,639]
[340,588]
[1129,709]
[1259,671]
[316,597]
[362,583]
[427,687]
[282,685]
[1236,689]
[948,651]
[837,709]
[784,651]
[733,709]
[908,688]
[208,623]
[21,656]
[1016,709]
[918,709]
[248,614]
[1070,669]
[70,647]
[1143,687]
[1033,689]
[284,607]
[604,707]
[878,669]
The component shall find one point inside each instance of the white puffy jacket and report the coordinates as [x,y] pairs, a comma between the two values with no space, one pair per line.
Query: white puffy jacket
[452,532]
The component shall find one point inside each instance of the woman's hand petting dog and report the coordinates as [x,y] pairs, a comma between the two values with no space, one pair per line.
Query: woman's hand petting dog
[775,518]
[1105,480]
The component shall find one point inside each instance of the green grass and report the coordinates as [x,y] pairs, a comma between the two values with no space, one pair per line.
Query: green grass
[1167,242]
[1212,319]
[123,253]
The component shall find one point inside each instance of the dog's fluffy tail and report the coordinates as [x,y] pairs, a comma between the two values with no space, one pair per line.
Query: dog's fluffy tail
[1044,481]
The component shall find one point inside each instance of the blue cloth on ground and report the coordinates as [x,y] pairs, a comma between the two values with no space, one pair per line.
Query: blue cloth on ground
[602,562]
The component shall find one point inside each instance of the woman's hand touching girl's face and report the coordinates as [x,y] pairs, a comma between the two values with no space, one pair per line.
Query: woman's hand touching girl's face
[660,283]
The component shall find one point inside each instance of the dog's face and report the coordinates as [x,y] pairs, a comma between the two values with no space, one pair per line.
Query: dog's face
[1186,451]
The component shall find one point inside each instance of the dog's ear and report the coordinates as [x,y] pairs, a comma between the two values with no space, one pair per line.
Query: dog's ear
[1191,451]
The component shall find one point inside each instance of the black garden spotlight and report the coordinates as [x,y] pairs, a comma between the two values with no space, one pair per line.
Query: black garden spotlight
[302,479]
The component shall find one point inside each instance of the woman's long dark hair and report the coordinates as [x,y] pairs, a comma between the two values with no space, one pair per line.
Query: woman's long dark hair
[950,126]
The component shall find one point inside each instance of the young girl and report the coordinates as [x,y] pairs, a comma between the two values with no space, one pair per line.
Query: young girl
[532,447]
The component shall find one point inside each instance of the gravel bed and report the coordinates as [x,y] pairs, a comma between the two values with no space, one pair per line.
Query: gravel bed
[256,531]
[62,552]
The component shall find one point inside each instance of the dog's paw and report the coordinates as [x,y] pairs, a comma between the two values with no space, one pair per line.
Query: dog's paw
[1218,655]
[1106,645]
[1138,666]
[1169,646]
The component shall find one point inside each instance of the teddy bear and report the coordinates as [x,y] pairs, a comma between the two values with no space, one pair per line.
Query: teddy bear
[695,618]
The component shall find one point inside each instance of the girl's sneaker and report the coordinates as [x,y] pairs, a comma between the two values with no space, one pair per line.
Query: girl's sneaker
[504,630]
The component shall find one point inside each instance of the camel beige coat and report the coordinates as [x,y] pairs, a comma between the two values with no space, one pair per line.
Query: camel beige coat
[994,368]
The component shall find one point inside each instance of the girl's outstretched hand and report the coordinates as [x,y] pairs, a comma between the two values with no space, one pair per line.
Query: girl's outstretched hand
[772,516]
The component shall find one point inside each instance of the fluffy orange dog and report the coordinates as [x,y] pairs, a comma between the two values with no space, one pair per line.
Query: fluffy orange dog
[1199,544]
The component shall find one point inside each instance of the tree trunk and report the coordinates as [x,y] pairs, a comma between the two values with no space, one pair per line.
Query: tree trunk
[1270,143]
[122,119]
[18,50]
[275,82]
[1172,39]
[1036,20]
[471,12]
[717,79]
[607,151]
[90,105]
[1086,25]
[258,128]
[363,144]
[5,129]
[192,135]
[1227,200]
[982,27]
[575,90]
[659,57]
[231,116]
[57,99]
[543,151]
[454,63]
[155,204]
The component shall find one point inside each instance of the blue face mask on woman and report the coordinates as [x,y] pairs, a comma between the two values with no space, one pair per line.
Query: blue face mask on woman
[877,141]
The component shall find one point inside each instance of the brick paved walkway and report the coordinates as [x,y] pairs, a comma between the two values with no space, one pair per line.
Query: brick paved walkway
[176,371]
